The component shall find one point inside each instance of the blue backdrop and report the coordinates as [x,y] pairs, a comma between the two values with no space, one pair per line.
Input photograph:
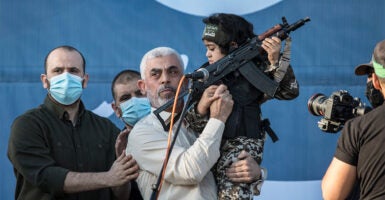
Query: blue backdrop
[113,36]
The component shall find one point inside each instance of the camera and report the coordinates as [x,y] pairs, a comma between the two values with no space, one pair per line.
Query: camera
[336,109]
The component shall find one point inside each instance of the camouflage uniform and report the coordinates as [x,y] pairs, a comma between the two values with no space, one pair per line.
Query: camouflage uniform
[229,152]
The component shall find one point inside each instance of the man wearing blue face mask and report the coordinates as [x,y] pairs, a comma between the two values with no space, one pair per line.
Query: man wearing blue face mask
[130,105]
[60,150]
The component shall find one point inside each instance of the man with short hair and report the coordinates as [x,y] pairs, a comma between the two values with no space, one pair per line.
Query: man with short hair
[130,105]
[60,150]
[360,154]
[187,174]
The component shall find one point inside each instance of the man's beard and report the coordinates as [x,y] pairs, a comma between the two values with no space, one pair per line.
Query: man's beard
[158,101]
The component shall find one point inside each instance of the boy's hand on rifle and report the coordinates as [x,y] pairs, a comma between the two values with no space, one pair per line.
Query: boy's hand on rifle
[273,48]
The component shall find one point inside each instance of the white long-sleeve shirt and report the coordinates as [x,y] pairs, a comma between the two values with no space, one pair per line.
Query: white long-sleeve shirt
[188,173]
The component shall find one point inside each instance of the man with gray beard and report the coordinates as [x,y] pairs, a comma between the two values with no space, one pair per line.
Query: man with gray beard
[188,171]
[187,174]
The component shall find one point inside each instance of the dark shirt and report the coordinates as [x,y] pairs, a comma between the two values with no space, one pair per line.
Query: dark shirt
[44,146]
[135,192]
[361,144]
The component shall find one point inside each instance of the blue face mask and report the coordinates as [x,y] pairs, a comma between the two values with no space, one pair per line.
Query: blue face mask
[66,88]
[134,109]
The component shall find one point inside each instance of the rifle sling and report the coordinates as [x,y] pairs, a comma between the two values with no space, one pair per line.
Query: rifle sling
[258,79]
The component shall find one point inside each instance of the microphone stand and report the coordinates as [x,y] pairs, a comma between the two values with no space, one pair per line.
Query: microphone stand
[155,187]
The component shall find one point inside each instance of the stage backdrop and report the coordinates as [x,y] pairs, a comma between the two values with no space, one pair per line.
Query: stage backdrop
[113,36]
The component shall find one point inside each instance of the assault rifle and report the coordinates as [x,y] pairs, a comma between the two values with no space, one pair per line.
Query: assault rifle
[241,60]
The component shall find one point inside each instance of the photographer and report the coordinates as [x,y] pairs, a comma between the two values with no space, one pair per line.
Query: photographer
[340,107]
[375,98]
[360,154]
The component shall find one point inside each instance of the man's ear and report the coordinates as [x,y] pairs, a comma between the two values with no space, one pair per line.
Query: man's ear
[85,80]
[376,82]
[142,86]
[116,110]
[44,80]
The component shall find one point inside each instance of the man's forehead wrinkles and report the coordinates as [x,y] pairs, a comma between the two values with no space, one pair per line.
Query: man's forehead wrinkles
[63,66]
[156,68]
[163,67]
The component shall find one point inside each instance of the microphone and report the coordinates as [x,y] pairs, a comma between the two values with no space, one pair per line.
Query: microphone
[201,75]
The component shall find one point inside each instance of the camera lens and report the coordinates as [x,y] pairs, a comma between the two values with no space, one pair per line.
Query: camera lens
[316,104]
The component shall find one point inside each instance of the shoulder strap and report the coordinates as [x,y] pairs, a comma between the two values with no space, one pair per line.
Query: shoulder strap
[258,79]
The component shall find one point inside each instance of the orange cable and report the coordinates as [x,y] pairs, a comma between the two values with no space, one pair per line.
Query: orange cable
[170,134]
